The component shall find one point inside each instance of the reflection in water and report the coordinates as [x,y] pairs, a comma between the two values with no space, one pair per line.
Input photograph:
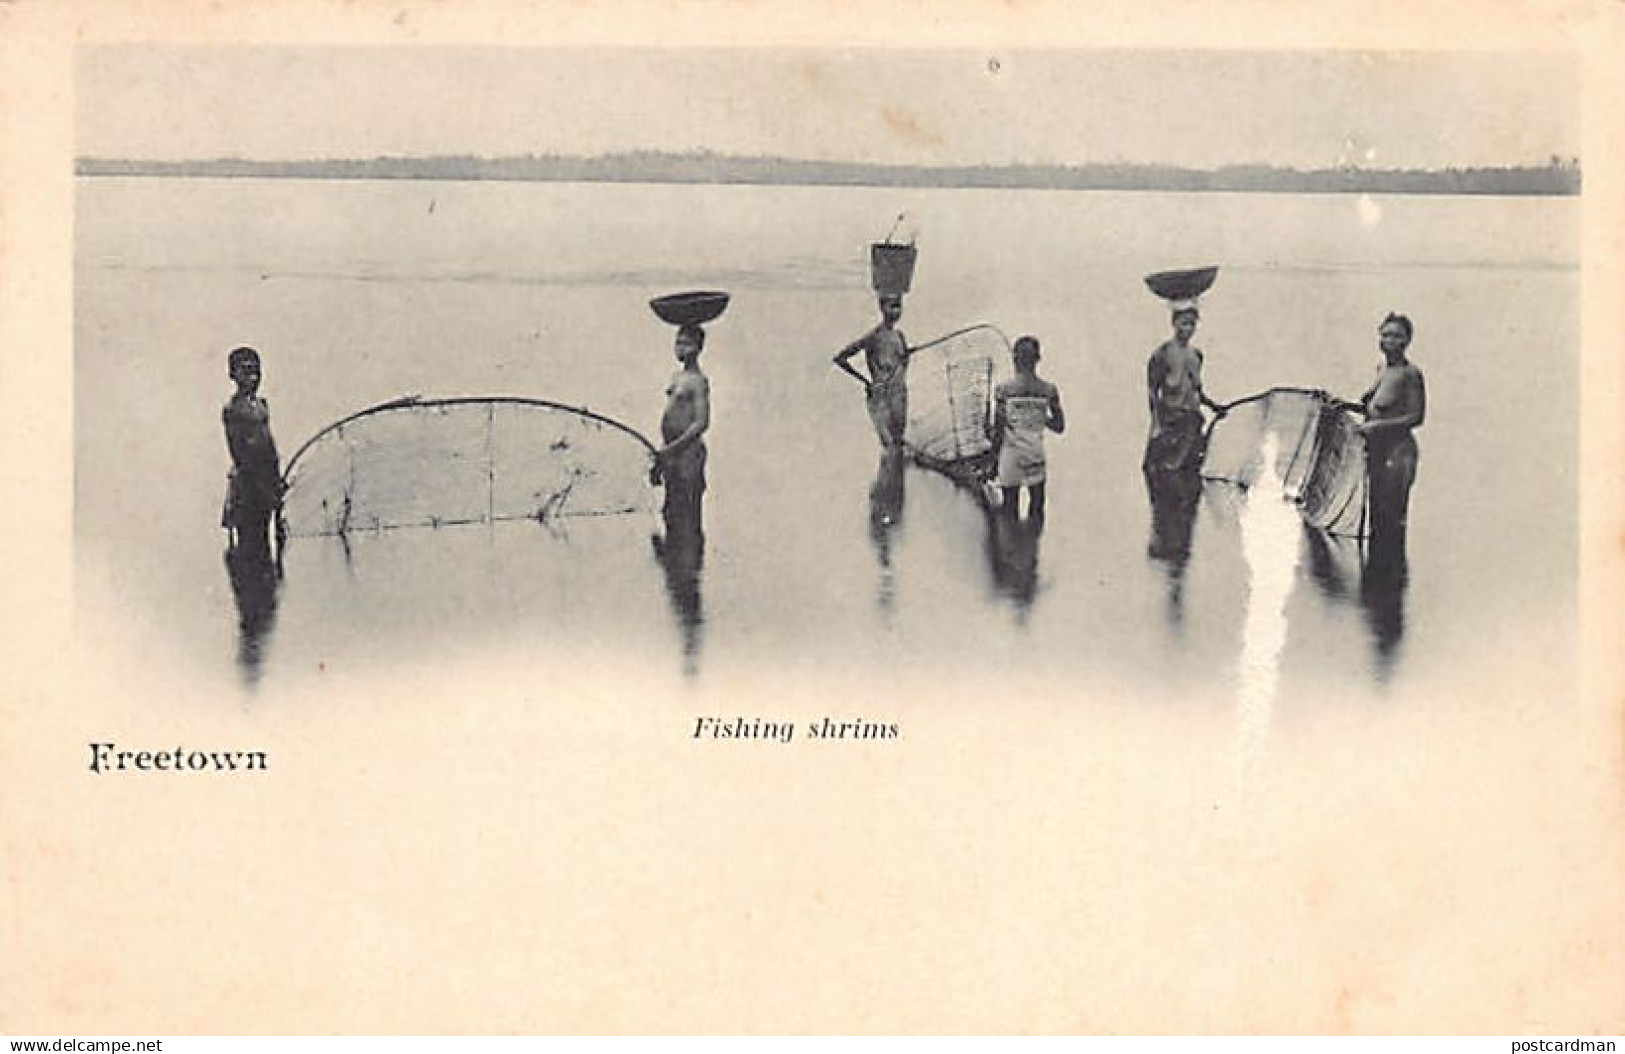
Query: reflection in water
[1012,552]
[1382,595]
[681,553]
[1374,574]
[1174,500]
[1333,563]
[886,512]
[349,555]
[254,584]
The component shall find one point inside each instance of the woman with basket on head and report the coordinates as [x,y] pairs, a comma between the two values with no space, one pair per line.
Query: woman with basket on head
[886,388]
[886,351]
[1176,442]
[679,463]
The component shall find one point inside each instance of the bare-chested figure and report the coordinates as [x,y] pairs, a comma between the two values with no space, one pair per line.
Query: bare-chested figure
[886,357]
[254,488]
[681,461]
[1395,404]
[1174,448]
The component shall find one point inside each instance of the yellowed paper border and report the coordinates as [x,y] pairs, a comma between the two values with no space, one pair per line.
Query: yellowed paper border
[603,877]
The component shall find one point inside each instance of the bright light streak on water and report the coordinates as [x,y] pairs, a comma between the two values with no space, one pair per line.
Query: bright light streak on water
[357,293]
[1269,541]
[1369,210]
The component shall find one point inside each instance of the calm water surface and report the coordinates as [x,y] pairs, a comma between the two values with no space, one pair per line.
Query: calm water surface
[357,292]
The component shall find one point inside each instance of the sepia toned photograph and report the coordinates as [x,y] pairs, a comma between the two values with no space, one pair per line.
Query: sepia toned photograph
[1003,530]
[832,354]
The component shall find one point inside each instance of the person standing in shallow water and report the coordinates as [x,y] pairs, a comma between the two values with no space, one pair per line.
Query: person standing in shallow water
[1023,407]
[1174,448]
[886,355]
[1395,404]
[254,486]
[680,463]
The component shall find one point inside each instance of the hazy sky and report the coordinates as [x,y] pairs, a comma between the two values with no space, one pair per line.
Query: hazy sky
[1310,108]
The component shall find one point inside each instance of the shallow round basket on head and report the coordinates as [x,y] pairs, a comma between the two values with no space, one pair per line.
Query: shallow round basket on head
[689,309]
[1182,285]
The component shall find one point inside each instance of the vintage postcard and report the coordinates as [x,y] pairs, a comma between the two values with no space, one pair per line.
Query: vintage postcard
[688,518]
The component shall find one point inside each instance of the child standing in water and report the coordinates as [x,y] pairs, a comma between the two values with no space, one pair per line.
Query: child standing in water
[1023,407]
[254,487]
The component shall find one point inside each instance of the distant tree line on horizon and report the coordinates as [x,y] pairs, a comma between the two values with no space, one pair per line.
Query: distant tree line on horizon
[1560,176]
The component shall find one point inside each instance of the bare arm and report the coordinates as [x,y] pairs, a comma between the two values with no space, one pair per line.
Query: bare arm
[236,441]
[270,440]
[1201,391]
[843,359]
[1359,406]
[1057,415]
[1156,369]
[1370,391]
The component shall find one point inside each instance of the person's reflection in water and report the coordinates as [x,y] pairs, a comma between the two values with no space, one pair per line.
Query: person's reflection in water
[1383,580]
[886,496]
[680,466]
[255,580]
[1373,573]
[885,513]
[1174,500]
[1330,563]
[681,552]
[1012,551]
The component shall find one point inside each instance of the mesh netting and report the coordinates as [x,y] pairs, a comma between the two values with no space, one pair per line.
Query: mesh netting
[1319,455]
[443,462]
[950,387]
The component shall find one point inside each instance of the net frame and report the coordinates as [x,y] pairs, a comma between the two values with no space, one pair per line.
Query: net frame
[339,520]
[1322,470]
[950,400]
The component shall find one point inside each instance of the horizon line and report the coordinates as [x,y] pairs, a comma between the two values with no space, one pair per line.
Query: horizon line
[1559,177]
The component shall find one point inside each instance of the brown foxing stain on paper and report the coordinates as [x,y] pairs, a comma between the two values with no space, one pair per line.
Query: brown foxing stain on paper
[910,128]
[1342,1011]
[1371,996]
[812,71]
